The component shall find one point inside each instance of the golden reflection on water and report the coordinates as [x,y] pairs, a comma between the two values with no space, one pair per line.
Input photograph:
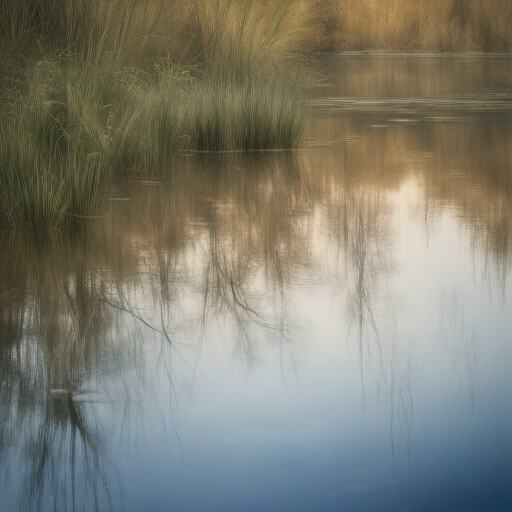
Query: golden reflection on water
[233,239]
[460,167]
[412,75]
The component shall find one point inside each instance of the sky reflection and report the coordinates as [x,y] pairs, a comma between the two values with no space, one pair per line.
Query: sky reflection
[319,330]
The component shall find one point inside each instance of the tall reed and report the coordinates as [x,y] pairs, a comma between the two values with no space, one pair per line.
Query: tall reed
[88,93]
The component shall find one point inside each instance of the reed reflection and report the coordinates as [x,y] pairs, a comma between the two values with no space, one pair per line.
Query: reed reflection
[59,362]
[397,378]
[230,240]
[460,339]
[461,165]
[361,220]
[471,173]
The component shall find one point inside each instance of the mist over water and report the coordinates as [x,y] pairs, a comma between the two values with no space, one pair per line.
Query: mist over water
[320,329]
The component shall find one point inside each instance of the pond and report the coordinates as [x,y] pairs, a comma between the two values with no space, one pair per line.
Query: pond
[319,330]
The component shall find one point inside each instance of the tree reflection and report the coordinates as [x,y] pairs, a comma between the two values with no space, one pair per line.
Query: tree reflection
[66,466]
[368,264]
[255,246]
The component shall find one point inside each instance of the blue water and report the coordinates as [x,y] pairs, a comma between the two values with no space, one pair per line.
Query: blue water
[325,330]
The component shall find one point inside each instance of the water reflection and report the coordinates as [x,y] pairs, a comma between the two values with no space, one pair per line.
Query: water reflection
[76,317]
[57,359]
[460,168]
[398,375]
[234,244]
[406,75]
[460,340]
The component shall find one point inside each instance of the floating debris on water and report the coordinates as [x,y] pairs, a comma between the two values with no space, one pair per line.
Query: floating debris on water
[60,391]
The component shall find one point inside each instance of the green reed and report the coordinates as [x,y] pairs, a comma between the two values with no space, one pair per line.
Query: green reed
[87,95]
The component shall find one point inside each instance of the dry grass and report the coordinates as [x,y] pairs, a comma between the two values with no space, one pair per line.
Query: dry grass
[435,25]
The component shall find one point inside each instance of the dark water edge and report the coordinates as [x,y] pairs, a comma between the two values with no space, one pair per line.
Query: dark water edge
[323,329]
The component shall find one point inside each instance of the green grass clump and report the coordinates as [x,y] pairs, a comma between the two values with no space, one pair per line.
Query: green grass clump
[55,144]
[261,113]
[87,95]
[249,95]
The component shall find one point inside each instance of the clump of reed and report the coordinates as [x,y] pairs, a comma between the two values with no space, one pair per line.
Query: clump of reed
[256,114]
[88,94]
[250,90]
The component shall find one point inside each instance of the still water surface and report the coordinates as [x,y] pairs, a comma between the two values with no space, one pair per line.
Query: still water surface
[323,330]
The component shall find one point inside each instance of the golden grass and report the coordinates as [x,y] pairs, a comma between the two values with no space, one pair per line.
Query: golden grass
[434,25]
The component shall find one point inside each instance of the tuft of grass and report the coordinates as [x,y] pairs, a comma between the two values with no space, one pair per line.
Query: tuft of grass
[250,92]
[260,113]
[49,168]
[87,94]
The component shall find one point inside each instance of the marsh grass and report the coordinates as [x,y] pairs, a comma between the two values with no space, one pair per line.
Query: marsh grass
[93,90]
[258,114]
[249,95]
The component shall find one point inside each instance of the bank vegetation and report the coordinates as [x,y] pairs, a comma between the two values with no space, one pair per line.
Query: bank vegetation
[92,90]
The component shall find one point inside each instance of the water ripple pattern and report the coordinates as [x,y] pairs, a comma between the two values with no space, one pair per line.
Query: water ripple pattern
[491,102]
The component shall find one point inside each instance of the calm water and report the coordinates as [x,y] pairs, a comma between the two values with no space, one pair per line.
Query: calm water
[322,330]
